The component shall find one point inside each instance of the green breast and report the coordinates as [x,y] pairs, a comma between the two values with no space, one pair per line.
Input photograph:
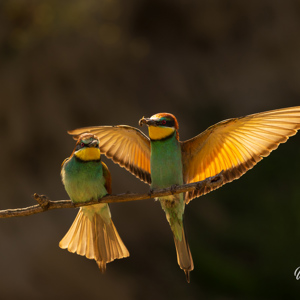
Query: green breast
[83,180]
[166,170]
[166,164]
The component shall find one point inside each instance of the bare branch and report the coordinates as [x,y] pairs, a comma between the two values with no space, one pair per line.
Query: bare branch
[45,204]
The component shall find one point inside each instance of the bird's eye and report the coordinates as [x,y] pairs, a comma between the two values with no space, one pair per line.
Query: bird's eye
[163,122]
[82,145]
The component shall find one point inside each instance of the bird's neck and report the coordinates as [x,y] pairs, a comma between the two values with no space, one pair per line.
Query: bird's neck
[88,154]
[160,133]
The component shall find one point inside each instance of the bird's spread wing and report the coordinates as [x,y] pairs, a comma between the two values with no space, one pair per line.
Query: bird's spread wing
[125,145]
[236,145]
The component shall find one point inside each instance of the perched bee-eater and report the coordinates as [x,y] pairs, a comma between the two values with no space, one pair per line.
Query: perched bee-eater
[233,145]
[86,178]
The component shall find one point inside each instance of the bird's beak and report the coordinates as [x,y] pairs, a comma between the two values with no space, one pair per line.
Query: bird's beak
[93,143]
[147,121]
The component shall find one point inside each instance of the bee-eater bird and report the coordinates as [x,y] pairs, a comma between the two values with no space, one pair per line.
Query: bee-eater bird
[233,146]
[86,178]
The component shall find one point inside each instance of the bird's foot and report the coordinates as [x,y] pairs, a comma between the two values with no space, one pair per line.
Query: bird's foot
[173,188]
[150,193]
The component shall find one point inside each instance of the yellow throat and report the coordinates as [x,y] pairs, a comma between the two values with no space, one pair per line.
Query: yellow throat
[87,154]
[158,133]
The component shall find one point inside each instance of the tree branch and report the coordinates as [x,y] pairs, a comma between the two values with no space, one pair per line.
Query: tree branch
[45,204]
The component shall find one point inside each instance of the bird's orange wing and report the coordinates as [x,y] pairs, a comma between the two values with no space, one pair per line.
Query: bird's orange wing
[125,145]
[107,177]
[236,145]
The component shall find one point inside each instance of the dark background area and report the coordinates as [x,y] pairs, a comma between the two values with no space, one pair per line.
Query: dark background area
[68,64]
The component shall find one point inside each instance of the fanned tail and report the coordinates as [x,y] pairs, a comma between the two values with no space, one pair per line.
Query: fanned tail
[94,237]
[184,256]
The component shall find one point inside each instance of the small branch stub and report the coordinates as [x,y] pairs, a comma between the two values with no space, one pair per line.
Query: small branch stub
[42,200]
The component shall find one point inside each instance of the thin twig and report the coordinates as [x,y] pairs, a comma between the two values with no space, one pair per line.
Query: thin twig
[45,204]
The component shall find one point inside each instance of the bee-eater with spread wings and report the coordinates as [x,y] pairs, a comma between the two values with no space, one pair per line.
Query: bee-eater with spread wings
[85,178]
[233,145]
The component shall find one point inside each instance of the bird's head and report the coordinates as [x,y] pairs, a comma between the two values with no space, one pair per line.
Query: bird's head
[161,126]
[87,147]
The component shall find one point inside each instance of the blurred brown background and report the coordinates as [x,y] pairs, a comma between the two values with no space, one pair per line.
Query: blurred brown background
[68,64]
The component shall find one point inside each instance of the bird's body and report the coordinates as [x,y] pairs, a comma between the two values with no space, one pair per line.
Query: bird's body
[165,163]
[166,171]
[83,180]
[233,146]
[92,233]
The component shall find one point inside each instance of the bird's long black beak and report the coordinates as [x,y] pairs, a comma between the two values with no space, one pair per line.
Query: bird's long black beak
[147,121]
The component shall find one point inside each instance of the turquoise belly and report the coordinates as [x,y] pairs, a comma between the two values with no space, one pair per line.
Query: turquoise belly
[83,180]
[166,164]
[166,170]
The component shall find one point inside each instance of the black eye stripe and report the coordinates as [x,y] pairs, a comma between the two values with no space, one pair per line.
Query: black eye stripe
[167,123]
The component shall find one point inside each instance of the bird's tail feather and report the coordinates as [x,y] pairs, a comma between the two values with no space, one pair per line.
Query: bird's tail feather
[91,236]
[184,256]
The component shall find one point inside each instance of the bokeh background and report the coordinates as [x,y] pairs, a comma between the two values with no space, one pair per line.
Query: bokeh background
[68,64]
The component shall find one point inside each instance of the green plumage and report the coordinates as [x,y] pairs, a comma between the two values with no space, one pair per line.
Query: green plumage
[166,170]
[92,233]
[84,181]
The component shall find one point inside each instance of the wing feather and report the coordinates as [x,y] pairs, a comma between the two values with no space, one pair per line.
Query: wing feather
[125,145]
[236,145]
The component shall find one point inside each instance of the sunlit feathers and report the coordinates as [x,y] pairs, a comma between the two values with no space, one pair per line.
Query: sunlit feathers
[125,145]
[236,145]
[92,233]
[233,145]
